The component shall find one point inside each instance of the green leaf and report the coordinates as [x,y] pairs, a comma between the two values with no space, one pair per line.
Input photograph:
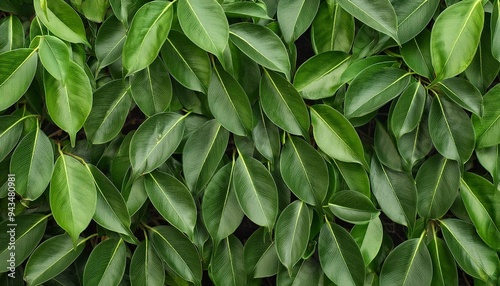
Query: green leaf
[408,110]
[295,16]
[320,76]
[106,263]
[266,136]
[32,162]
[417,54]
[186,62]
[172,200]
[11,34]
[28,233]
[292,233]
[355,177]
[52,257]
[73,195]
[463,93]
[378,14]
[372,89]
[368,237]
[69,103]
[332,30]
[489,158]
[437,185]
[455,37]
[482,202]
[204,23]
[470,252]
[283,105]
[227,266]
[359,66]
[395,193]
[17,70]
[55,56]
[352,207]
[413,17]
[109,111]
[261,45]
[256,191]
[10,132]
[495,30]
[146,268]
[229,103]
[261,259]
[220,209]
[109,41]
[306,272]
[451,130]
[335,135]
[304,171]
[385,149]
[154,141]
[416,144]
[177,252]
[151,88]
[340,256]
[111,210]
[444,268]
[245,10]
[408,264]
[147,33]
[487,127]
[95,10]
[61,20]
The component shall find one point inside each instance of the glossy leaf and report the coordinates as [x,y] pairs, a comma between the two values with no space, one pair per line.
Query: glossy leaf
[352,207]
[355,177]
[368,237]
[386,149]
[413,16]
[495,30]
[303,273]
[463,93]
[109,41]
[11,130]
[444,268]
[244,10]
[55,56]
[261,259]
[295,16]
[227,266]
[146,268]
[417,54]
[408,110]
[487,127]
[11,34]
[332,31]
[106,263]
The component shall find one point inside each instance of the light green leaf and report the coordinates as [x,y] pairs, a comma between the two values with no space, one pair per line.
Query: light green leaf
[352,207]
[146,268]
[463,93]
[55,56]
[368,237]
[455,37]
[245,10]
[256,191]
[147,33]
[340,256]
[106,263]
[417,54]
[295,16]
[495,30]
[283,105]
[332,30]
[487,127]
[32,161]
[227,266]
[413,16]
[111,105]
[11,130]
[154,141]
[11,34]
[408,110]
[17,70]
[109,41]
[69,103]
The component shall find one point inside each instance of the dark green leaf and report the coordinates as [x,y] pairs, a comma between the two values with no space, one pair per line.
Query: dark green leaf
[295,16]
[368,237]
[227,266]
[109,41]
[146,268]
[332,31]
[408,110]
[106,263]
[463,93]
[261,259]
[444,268]
[353,207]
[417,54]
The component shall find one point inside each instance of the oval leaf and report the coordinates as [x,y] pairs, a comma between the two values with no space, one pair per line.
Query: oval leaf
[352,207]
[109,41]
[55,56]
[11,130]
[487,127]
[408,110]
[106,263]
[332,31]
[368,237]
[146,268]
[463,93]
[227,266]
[295,16]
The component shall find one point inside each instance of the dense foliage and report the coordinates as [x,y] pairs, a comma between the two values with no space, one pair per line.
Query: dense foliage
[297,142]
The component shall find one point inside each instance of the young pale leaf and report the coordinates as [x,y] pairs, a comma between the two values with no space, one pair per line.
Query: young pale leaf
[172,200]
[295,16]
[455,37]
[378,14]
[408,264]
[109,41]
[368,237]
[319,77]
[147,33]
[304,171]
[151,88]
[463,93]
[335,135]
[261,45]
[487,127]
[154,141]
[52,257]
[73,195]
[373,88]
[229,103]
[11,130]
[408,110]
[32,161]
[55,56]
[177,252]
[18,70]
[395,193]
[340,256]
[146,268]
[352,207]
[186,62]
[11,34]
[61,20]
[256,191]
[204,23]
[482,202]
[306,272]
[106,263]
[413,16]
[444,268]
[417,54]
[283,105]
[28,233]
[69,103]
[437,185]
[292,233]
[332,31]
[109,111]
[451,130]
[227,266]
[470,252]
